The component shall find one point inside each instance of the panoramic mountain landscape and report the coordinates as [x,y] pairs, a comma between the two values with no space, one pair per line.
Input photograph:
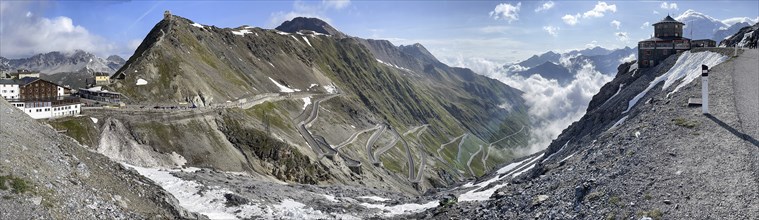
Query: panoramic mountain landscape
[322,110]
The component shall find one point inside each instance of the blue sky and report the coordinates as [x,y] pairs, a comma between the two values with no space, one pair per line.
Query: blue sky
[497,31]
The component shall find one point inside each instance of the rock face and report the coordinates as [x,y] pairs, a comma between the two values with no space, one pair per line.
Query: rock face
[44,174]
[309,24]
[746,37]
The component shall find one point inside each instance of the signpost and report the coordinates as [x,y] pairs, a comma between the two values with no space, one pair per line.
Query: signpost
[705,89]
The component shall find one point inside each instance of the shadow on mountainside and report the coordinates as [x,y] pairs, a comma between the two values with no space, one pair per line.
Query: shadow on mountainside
[735,132]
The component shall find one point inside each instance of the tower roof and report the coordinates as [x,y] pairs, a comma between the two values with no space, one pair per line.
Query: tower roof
[668,19]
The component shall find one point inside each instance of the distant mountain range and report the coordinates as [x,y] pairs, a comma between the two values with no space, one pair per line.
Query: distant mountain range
[62,62]
[563,66]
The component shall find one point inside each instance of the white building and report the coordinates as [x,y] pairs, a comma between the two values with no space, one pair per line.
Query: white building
[49,109]
[9,89]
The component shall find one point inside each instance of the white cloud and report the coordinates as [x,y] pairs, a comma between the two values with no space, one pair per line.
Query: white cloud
[553,31]
[308,9]
[645,25]
[592,44]
[571,19]
[545,6]
[670,6]
[24,34]
[599,10]
[337,4]
[506,12]
[629,58]
[656,12]
[616,24]
[622,36]
[732,21]
[551,106]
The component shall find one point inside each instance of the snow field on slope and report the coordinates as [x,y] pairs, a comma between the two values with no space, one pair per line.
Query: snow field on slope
[475,195]
[282,88]
[211,201]
[687,68]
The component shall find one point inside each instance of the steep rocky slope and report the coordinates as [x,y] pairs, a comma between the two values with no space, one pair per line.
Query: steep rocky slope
[645,154]
[46,175]
[255,88]
[745,37]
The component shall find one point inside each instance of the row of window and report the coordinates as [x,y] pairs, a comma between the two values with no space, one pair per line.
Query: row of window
[9,91]
[667,26]
[47,109]
[9,97]
[64,108]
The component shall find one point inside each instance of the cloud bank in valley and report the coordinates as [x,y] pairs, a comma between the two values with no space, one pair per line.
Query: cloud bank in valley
[552,106]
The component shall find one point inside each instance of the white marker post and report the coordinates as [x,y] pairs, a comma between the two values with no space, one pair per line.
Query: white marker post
[705,89]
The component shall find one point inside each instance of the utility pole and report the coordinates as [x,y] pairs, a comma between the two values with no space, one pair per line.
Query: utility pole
[705,89]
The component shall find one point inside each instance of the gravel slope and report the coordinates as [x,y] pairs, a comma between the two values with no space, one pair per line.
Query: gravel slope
[55,177]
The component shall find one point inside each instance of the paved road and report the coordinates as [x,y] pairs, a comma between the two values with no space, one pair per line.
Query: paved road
[353,137]
[385,148]
[746,87]
[461,143]
[487,152]
[469,162]
[372,139]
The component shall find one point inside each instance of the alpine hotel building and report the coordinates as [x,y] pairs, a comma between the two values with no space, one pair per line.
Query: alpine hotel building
[667,40]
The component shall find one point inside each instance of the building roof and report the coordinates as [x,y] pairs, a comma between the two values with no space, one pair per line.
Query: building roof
[10,82]
[100,74]
[668,19]
[27,80]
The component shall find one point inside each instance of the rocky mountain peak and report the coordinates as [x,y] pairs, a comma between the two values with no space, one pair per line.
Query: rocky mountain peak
[420,51]
[311,24]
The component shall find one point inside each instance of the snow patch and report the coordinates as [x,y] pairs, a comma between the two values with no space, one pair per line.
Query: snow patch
[197,25]
[401,209]
[476,195]
[141,82]
[330,198]
[306,39]
[331,89]
[94,120]
[241,32]
[313,85]
[618,123]
[283,33]
[306,102]
[375,198]
[282,88]
[688,66]
[392,65]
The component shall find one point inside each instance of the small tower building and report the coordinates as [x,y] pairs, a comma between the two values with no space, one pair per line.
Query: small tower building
[667,40]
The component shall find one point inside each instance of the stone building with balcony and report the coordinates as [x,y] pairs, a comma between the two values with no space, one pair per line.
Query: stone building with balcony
[667,40]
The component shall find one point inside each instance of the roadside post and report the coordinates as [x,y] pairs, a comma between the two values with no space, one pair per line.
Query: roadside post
[705,89]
